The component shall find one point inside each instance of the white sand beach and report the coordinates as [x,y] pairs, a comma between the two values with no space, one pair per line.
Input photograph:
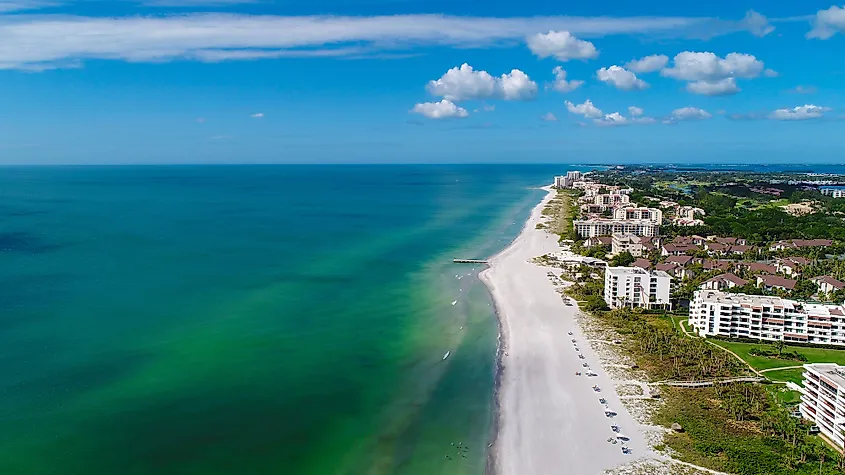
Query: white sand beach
[550,421]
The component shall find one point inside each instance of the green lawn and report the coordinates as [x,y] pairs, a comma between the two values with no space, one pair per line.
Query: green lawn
[784,395]
[794,375]
[814,355]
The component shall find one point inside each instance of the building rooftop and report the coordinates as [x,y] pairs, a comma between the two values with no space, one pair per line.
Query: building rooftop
[728,277]
[715,296]
[831,371]
[636,271]
[642,263]
[682,260]
[776,281]
[829,280]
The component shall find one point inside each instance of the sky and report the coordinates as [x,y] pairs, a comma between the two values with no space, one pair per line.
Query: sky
[410,81]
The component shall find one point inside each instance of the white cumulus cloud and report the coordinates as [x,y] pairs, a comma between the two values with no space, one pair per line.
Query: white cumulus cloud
[828,23]
[464,82]
[612,119]
[560,83]
[648,64]
[616,119]
[690,113]
[561,45]
[517,86]
[805,112]
[709,74]
[587,109]
[621,78]
[444,109]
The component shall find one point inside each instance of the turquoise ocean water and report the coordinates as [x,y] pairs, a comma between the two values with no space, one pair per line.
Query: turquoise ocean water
[250,320]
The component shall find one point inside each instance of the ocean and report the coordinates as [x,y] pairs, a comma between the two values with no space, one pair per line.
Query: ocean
[251,319]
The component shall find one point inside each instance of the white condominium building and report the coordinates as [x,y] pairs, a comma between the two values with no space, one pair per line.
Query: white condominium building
[823,400]
[587,228]
[653,215]
[611,199]
[627,243]
[636,287]
[568,180]
[835,192]
[766,318]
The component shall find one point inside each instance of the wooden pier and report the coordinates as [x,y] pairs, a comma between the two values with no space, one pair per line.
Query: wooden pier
[470,261]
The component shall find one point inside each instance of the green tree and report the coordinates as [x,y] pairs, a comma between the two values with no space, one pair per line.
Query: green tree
[595,303]
[622,259]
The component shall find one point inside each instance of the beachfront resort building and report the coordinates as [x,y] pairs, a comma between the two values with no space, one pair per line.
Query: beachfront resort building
[652,215]
[636,287]
[568,180]
[606,227]
[823,400]
[627,243]
[714,313]
[833,192]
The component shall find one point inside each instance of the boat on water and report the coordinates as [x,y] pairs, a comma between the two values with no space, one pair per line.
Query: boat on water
[447,355]
[454,302]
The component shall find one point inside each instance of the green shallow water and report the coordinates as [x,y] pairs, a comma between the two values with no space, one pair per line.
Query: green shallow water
[250,320]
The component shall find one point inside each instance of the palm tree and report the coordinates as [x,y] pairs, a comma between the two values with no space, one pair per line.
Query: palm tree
[779,347]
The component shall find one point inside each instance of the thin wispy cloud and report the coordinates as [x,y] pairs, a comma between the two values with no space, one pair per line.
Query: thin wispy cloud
[195,3]
[51,41]
[257,115]
[24,5]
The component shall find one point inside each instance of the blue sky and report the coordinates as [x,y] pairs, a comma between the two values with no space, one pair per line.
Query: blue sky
[323,81]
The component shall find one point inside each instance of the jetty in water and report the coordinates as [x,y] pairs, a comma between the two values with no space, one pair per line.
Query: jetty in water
[469,261]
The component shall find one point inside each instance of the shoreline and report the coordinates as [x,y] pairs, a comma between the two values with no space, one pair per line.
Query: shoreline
[544,417]
[502,338]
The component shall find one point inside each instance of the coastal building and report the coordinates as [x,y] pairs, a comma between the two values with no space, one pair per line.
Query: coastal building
[727,240]
[775,282]
[636,287]
[823,400]
[723,281]
[611,199]
[682,260]
[791,265]
[714,313]
[672,249]
[758,267]
[674,269]
[800,244]
[716,264]
[828,284]
[642,263]
[627,243]
[598,241]
[606,227]
[688,212]
[561,182]
[653,215]
[603,202]
[833,192]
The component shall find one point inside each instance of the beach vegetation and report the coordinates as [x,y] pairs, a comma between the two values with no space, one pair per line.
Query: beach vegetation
[741,428]
[594,303]
[622,259]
